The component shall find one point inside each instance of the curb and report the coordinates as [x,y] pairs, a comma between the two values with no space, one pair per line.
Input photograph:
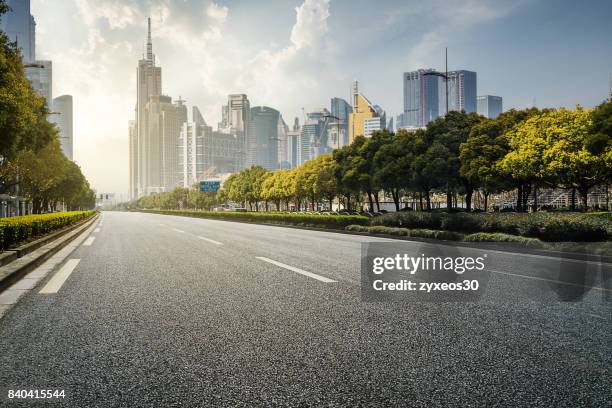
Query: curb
[33,254]
[509,248]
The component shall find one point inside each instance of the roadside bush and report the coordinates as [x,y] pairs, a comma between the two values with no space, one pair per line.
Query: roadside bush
[552,227]
[17,230]
[417,233]
[501,237]
[308,220]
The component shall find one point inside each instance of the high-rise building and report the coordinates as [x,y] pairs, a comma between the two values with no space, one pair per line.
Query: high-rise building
[204,153]
[283,130]
[293,139]
[262,137]
[133,160]
[490,106]
[196,116]
[62,117]
[173,118]
[362,109]
[338,128]
[154,141]
[461,91]
[234,120]
[370,125]
[238,106]
[147,175]
[314,136]
[421,98]
[40,75]
[20,27]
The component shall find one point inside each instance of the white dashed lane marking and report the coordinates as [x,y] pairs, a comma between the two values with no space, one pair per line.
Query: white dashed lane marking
[297,270]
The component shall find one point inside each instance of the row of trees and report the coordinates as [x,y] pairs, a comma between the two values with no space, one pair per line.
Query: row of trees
[31,161]
[459,154]
[180,198]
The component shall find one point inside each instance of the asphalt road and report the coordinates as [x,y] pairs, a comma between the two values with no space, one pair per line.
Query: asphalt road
[163,311]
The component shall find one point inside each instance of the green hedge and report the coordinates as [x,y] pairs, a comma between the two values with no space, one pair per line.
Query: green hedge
[552,227]
[322,221]
[17,230]
[501,237]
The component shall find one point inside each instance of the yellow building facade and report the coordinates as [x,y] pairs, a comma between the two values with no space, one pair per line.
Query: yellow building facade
[362,110]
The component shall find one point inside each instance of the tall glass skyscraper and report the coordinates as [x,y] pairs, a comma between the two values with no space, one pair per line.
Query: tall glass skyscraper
[262,137]
[461,91]
[62,107]
[19,26]
[421,98]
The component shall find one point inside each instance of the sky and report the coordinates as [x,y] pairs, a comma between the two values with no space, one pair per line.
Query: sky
[297,54]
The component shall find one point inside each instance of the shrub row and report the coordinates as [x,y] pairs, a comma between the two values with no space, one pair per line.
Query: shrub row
[450,235]
[322,221]
[17,230]
[545,226]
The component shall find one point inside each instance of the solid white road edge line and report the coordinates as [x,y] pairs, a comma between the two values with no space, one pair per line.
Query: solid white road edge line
[178,230]
[89,241]
[297,270]
[56,282]
[212,241]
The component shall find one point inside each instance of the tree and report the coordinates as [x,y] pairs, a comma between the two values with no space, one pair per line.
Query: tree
[450,131]
[392,165]
[305,180]
[479,155]
[552,147]
[325,183]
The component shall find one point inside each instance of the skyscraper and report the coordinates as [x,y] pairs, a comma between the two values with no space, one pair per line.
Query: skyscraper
[338,128]
[363,109]
[206,153]
[461,91]
[20,27]
[62,117]
[234,120]
[238,107]
[262,137]
[421,98]
[133,160]
[293,139]
[490,106]
[41,78]
[283,130]
[148,87]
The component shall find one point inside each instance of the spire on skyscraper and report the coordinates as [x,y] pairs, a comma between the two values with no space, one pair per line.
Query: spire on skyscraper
[150,56]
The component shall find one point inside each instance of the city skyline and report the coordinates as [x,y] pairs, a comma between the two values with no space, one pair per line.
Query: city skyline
[199,43]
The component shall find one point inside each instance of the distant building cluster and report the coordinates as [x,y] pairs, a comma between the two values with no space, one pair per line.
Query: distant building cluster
[20,27]
[169,148]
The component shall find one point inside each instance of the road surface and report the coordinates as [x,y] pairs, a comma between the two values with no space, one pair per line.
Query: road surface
[155,310]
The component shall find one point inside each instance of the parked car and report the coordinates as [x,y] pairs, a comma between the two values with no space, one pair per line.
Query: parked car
[240,210]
